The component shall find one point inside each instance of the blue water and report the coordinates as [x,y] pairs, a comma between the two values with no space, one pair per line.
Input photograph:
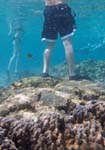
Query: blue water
[88,41]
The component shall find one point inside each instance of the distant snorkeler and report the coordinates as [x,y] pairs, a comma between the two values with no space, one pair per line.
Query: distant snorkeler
[58,18]
[17,33]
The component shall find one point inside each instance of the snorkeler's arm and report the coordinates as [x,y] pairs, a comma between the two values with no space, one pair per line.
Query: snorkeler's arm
[38,12]
[10,29]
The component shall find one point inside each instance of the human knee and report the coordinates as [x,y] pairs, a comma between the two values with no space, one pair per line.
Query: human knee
[47,51]
[69,52]
[17,36]
[67,43]
[13,56]
[68,46]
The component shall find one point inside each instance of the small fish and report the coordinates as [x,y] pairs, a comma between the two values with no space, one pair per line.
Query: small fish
[30,56]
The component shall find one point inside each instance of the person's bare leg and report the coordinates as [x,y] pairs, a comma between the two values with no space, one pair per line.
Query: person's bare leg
[16,53]
[69,55]
[16,50]
[17,47]
[46,57]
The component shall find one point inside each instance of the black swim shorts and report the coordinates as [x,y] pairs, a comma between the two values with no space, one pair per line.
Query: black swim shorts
[58,19]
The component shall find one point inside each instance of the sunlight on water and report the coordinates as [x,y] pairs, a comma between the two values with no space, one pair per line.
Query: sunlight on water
[89,40]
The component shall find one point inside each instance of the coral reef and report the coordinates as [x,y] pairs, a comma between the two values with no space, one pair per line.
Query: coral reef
[62,115]
[95,70]
[83,129]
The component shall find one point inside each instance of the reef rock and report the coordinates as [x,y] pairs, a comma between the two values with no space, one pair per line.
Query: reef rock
[52,114]
[93,69]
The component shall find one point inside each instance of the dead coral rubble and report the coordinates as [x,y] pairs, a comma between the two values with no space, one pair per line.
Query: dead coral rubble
[82,129]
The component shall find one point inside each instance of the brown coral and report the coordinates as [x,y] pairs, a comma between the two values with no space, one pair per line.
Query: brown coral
[54,132]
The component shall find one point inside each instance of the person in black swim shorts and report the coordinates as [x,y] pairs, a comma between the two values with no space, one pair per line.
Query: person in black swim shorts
[58,19]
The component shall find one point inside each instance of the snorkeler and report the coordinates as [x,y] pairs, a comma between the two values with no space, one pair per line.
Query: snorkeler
[17,33]
[58,18]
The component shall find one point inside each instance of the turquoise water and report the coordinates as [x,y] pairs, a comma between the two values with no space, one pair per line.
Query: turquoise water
[88,41]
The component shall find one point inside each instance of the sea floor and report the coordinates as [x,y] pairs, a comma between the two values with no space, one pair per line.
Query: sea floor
[52,114]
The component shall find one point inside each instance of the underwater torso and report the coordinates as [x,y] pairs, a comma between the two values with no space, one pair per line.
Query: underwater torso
[54,2]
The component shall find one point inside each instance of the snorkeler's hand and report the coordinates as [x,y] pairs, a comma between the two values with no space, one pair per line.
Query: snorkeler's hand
[38,12]
[9,33]
[10,29]
[73,13]
[74,26]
